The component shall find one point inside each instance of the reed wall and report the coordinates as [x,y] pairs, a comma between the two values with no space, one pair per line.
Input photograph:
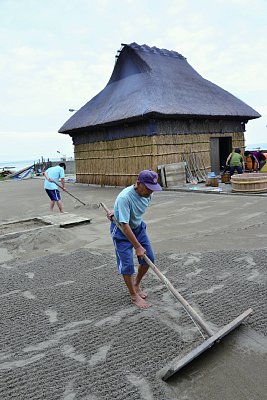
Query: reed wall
[118,162]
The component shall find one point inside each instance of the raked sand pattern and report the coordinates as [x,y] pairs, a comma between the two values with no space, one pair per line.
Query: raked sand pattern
[68,330]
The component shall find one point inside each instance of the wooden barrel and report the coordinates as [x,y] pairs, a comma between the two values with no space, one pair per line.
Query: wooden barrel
[214,182]
[225,178]
[249,182]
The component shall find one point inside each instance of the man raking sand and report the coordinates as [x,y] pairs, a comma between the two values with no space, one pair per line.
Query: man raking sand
[53,175]
[129,208]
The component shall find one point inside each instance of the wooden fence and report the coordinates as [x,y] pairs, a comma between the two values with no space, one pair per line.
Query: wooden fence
[118,162]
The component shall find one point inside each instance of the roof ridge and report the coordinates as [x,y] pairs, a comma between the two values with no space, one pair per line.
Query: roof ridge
[156,50]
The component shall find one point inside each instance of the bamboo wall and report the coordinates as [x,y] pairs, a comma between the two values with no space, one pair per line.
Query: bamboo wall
[118,162]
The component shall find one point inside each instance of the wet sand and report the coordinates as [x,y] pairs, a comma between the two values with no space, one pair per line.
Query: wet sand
[61,287]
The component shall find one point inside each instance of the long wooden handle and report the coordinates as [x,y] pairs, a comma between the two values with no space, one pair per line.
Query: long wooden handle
[65,190]
[169,286]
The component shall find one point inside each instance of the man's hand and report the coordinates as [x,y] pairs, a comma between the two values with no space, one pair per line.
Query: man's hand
[140,251]
[110,215]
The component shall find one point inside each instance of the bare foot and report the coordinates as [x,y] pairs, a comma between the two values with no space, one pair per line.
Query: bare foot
[139,302]
[140,292]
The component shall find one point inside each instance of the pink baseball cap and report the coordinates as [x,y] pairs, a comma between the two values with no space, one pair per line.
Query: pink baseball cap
[150,180]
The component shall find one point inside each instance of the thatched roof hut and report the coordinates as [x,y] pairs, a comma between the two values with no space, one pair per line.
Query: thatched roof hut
[152,93]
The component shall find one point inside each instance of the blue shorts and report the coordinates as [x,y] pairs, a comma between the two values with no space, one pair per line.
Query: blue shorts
[124,248]
[53,194]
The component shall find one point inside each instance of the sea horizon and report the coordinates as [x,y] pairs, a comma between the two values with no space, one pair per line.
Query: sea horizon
[18,165]
[251,146]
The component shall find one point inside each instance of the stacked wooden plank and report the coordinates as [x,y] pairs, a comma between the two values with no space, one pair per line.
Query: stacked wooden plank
[172,174]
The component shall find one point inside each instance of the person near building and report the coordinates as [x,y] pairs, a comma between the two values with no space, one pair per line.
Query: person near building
[258,159]
[236,162]
[129,207]
[52,176]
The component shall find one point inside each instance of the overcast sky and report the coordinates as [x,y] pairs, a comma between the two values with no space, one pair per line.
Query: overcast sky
[58,54]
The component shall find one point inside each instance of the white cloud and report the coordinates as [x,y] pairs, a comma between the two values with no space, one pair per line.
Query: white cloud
[58,55]
[34,145]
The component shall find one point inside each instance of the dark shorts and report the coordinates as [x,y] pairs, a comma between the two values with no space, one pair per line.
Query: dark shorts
[53,194]
[124,248]
[238,169]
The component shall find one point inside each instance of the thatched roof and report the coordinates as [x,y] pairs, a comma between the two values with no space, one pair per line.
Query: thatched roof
[147,81]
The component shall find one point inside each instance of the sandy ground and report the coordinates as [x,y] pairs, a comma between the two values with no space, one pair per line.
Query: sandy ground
[68,330]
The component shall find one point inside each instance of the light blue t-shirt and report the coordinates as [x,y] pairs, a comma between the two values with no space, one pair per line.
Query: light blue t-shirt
[129,207]
[54,173]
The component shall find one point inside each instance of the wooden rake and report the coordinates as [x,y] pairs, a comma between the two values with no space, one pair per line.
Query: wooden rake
[90,205]
[178,363]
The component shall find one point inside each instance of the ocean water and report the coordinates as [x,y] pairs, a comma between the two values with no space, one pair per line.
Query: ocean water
[254,146]
[15,166]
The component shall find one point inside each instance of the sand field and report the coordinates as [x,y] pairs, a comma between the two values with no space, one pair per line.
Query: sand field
[68,329]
